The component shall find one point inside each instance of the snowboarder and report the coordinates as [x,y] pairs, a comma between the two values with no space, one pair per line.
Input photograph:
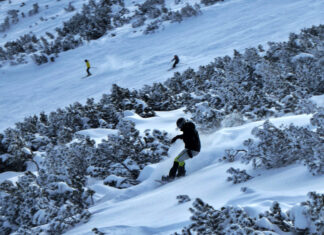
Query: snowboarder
[176,61]
[191,140]
[88,67]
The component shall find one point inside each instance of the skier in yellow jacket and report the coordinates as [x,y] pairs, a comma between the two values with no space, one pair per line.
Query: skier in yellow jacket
[88,67]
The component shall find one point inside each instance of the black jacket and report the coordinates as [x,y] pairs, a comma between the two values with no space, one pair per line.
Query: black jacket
[176,59]
[190,137]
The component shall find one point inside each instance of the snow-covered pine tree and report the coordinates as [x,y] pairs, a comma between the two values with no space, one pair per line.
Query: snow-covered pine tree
[35,10]
[152,27]
[37,200]
[122,156]
[13,16]
[227,220]
[5,25]
[124,99]
[183,199]
[189,11]
[238,176]
[155,147]
[318,121]
[210,2]
[312,211]
[235,220]
[16,151]
[278,147]
[207,118]
[273,150]
[278,217]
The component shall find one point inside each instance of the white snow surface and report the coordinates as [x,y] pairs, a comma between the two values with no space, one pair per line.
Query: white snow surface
[152,208]
[132,60]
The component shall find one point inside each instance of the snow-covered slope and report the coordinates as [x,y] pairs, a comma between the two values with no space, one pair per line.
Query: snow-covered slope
[50,15]
[150,208]
[131,60]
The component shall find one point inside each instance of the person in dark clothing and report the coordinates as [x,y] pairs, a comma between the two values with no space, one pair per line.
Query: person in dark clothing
[176,61]
[191,140]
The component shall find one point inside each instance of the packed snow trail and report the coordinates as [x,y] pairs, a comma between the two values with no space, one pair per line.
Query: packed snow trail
[132,59]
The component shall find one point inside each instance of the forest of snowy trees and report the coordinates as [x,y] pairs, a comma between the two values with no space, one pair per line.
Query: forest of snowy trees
[230,91]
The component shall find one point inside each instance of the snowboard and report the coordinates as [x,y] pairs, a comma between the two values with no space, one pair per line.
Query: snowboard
[171,69]
[164,181]
[178,65]
[86,76]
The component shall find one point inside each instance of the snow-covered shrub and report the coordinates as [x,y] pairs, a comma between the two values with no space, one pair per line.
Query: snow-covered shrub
[125,154]
[277,217]
[96,231]
[189,11]
[227,220]
[152,27]
[238,176]
[39,59]
[28,130]
[138,21]
[278,147]
[311,151]
[124,99]
[183,199]
[210,2]
[151,8]
[14,16]
[35,10]
[70,162]
[116,181]
[308,217]
[232,155]
[156,145]
[37,200]
[318,121]
[5,25]
[69,42]
[108,112]
[207,118]
[273,149]
[15,150]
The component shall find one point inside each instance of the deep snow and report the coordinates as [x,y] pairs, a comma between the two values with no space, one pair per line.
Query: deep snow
[132,60]
[149,208]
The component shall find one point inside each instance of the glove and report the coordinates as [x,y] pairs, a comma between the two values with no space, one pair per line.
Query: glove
[173,140]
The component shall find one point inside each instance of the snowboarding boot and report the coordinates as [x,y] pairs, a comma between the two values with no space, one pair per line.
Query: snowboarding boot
[166,178]
[181,171]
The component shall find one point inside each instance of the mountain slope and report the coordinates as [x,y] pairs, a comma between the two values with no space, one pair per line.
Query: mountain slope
[131,60]
[150,208]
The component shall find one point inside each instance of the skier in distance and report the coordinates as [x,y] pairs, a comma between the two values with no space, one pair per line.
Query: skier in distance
[88,67]
[176,61]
